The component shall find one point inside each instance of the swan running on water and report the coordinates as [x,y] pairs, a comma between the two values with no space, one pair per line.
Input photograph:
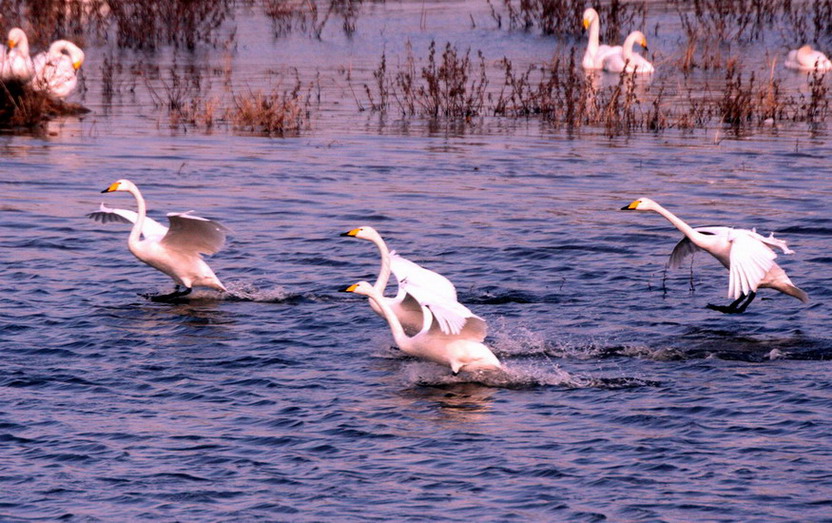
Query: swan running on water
[18,63]
[419,287]
[623,59]
[458,351]
[175,251]
[595,52]
[56,70]
[747,255]
[807,59]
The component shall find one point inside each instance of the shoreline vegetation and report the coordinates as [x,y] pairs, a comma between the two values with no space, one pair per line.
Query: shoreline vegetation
[443,83]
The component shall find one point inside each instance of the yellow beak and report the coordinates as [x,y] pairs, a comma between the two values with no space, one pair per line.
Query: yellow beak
[12,44]
[112,187]
[644,44]
[631,207]
[353,232]
[586,23]
[77,65]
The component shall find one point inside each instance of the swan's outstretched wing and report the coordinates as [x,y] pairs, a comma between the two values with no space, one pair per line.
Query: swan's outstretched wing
[418,276]
[772,242]
[192,234]
[685,247]
[419,287]
[750,261]
[151,228]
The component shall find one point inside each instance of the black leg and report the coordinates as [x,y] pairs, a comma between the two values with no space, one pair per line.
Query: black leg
[167,298]
[735,307]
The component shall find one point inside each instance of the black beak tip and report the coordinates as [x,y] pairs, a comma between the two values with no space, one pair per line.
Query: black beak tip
[344,289]
[105,190]
[344,234]
[625,208]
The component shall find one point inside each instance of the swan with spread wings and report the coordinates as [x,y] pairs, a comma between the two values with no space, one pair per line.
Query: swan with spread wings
[176,250]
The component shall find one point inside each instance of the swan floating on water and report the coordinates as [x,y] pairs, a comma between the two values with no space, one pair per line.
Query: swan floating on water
[595,52]
[623,59]
[419,287]
[18,64]
[175,251]
[807,59]
[458,351]
[748,256]
[56,71]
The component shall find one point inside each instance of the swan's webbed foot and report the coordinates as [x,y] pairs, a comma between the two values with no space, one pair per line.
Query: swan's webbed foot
[737,306]
[173,297]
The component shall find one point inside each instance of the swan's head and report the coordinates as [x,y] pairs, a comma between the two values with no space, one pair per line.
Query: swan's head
[65,47]
[120,185]
[362,287]
[642,204]
[18,38]
[803,51]
[637,37]
[590,15]
[365,233]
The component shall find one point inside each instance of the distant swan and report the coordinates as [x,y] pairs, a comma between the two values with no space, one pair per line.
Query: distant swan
[419,287]
[623,57]
[18,64]
[595,52]
[747,255]
[174,251]
[56,70]
[457,351]
[806,59]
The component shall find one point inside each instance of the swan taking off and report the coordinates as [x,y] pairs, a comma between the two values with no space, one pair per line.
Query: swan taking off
[747,255]
[623,59]
[419,287]
[458,351]
[56,70]
[175,251]
[595,52]
[807,59]
[17,65]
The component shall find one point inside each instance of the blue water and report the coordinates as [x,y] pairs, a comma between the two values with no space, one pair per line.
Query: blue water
[624,398]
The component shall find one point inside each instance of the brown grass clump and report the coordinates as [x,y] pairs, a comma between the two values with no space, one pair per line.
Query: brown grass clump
[21,107]
[270,114]
[311,15]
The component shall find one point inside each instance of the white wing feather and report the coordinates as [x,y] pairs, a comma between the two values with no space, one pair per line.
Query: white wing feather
[685,247]
[438,294]
[750,259]
[193,234]
[150,229]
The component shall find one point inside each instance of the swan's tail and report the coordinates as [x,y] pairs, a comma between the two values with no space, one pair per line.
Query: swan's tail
[800,294]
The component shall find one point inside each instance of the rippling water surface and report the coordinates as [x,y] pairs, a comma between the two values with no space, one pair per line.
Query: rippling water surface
[624,398]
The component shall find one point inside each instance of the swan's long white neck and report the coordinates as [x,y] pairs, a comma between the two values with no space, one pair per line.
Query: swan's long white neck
[384,270]
[402,340]
[136,232]
[594,36]
[699,239]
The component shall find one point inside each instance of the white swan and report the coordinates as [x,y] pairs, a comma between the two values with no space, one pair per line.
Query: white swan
[747,255]
[174,251]
[623,59]
[457,351]
[807,59]
[595,52]
[18,64]
[56,71]
[419,287]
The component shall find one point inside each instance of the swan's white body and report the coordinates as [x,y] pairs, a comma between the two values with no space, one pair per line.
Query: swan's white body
[419,287]
[748,256]
[56,71]
[18,64]
[623,59]
[595,51]
[457,351]
[807,59]
[175,251]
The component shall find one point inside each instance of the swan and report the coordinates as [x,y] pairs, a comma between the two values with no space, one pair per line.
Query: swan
[18,64]
[174,251]
[807,59]
[748,256]
[55,71]
[595,52]
[623,59]
[458,351]
[419,287]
